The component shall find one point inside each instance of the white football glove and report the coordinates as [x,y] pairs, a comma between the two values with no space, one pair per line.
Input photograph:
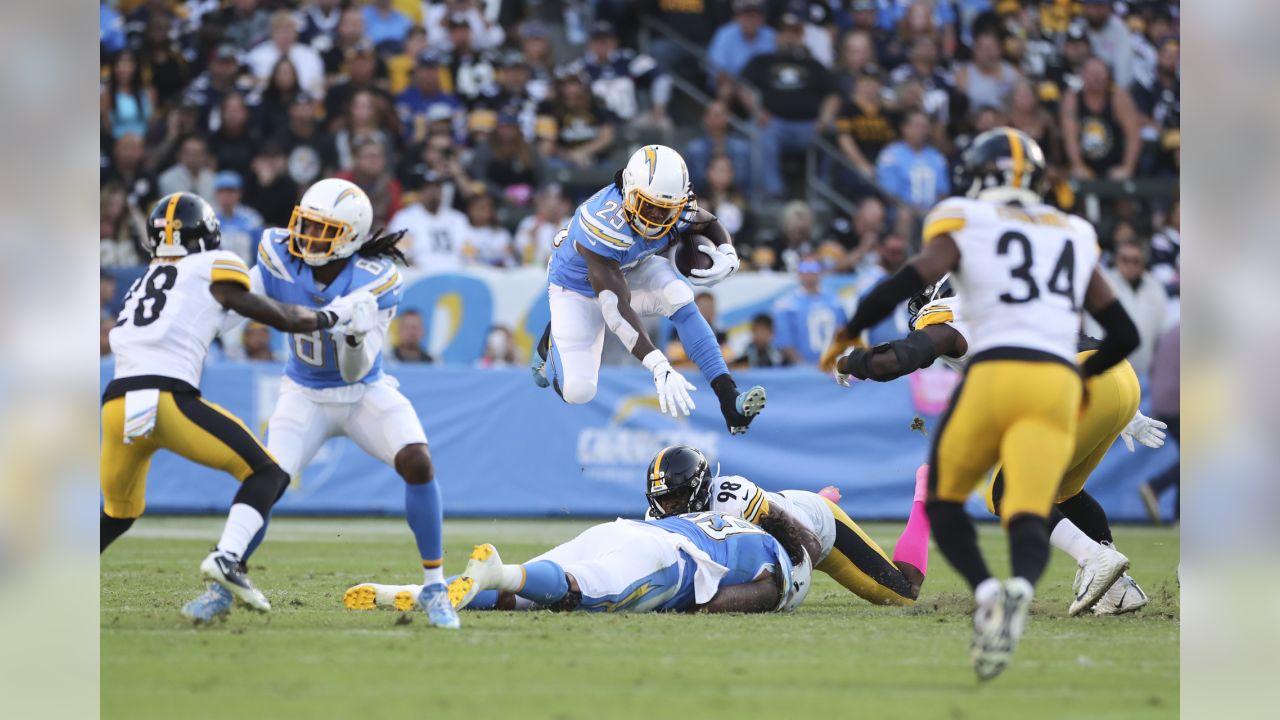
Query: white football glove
[673,389]
[724,261]
[344,307]
[1145,430]
[841,379]
[364,316]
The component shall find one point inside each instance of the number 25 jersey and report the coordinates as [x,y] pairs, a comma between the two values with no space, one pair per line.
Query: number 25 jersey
[1023,272]
[170,318]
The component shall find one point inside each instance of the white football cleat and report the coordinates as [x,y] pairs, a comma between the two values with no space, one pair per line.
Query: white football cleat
[229,572]
[1124,596]
[483,572]
[1095,575]
[998,626]
[367,596]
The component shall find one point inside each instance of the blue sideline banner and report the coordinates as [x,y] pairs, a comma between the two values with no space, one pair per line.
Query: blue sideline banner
[504,447]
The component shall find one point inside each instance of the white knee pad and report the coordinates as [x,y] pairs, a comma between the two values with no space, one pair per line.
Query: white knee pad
[577,391]
[676,294]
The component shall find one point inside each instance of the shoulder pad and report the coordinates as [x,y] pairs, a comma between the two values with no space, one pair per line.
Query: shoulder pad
[945,218]
[273,253]
[937,312]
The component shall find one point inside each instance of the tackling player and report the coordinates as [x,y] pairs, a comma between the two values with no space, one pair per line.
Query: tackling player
[605,272]
[1025,271]
[333,383]
[170,316]
[939,332]
[679,481]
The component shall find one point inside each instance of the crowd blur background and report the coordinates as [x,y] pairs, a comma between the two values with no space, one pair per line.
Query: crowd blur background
[818,131]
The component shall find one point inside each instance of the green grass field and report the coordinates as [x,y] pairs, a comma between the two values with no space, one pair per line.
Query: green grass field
[836,657]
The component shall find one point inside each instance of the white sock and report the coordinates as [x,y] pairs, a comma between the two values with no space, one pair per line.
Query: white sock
[1071,540]
[986,591]
[243,522]
[512,578]
[432,576]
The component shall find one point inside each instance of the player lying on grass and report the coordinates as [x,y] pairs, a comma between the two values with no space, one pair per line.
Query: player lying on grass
[606,272]
[708,562]
[334,384]
[170,317]
[1078,524]
[679,481]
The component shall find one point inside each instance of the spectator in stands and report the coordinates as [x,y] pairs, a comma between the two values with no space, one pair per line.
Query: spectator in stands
[807,318]
[235,142]
[126,103]
[939,97]
[442,156]
[319,23]
[1166,406]
[865,126]
[107,288]
[737,42]
[913,22]
[246,23]
[361,76]
[310,149]
[211,86]
[761,352]
[284,43]
[191,173]
[889,257]
[482,35]
[385,26]
[535,235]
[371,170]
[510,96]
[473,70]
[1159,106]
[857,56]
[1166,249]
[499,349]
[618,75]
[910,170]
[241,225]
[796,237]
[269,188]
[434,231]
[719,140]
[121,227]
[719,194]
[271,101]
[1062,69]
[410,334]
[1110,39]
[111,37]
[507,161]
[400,66]
[127,171]
[1142,296]
[535,45]
[987,80]
[367,116]
[349,34]
[792,89]
[863,15]
[426,92]
[485,241]
[1100,127]
[575,128]
[1028,115]
[161,57]
[255,340]
[859,236]
[693,22]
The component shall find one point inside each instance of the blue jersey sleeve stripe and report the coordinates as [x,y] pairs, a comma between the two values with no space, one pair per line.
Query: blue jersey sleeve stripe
[601,230]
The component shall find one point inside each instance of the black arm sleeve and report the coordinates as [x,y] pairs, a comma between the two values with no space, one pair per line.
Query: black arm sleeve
[883,298]
[911,353]
[1121,338]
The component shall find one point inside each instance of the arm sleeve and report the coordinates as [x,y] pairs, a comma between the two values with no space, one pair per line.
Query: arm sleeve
[1121,338]
[883,298]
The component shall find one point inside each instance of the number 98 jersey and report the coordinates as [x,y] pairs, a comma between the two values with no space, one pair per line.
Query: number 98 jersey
[170,317]
[1023,272]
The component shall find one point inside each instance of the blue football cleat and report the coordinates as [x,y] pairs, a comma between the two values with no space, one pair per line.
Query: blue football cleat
[746,406]
[538,358]
[434,600]
[212,604]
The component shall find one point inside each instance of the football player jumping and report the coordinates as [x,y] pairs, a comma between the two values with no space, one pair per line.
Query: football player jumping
[170,316]
[334,384]
[1078,524]
[606,273]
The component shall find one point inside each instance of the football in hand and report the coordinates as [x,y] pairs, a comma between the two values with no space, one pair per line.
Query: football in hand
[688,257]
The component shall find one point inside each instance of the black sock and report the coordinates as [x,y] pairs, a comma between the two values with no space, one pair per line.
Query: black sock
[110,528]
[953,531]
[1029,546]
[1088,515]
[725,388]
[544,343]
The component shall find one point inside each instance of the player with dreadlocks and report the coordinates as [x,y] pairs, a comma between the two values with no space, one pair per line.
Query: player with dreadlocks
[333,383]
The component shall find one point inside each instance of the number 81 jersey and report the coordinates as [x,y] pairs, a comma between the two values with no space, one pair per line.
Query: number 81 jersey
[170,318]
[313,357]
[1023,272]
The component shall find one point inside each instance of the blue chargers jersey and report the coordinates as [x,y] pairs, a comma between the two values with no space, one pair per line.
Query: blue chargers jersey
[732,542]
[601,227]
[313,360]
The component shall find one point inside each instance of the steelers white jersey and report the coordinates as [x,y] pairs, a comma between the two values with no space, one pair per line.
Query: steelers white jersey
[946,311]
[737,496]
[170,317]
[1023,272]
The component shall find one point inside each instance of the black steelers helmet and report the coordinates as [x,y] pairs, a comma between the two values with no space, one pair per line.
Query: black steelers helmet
[936,291]
[1001,158]
[182,223]
[679,469]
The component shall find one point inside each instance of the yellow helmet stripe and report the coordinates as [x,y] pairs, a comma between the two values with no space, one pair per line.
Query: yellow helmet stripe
[168,218]
[657,463]
[651,157]
[1019,160]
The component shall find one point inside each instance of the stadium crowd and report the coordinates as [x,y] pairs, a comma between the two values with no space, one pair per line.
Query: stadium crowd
[477,125]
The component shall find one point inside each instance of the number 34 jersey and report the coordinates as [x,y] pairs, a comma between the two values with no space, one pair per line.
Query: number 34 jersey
[170,317]
[1023,272]
[313,357]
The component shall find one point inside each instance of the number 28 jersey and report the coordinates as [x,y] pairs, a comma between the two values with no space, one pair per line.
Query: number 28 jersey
[170,318]
[313,357]
[1023,272]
